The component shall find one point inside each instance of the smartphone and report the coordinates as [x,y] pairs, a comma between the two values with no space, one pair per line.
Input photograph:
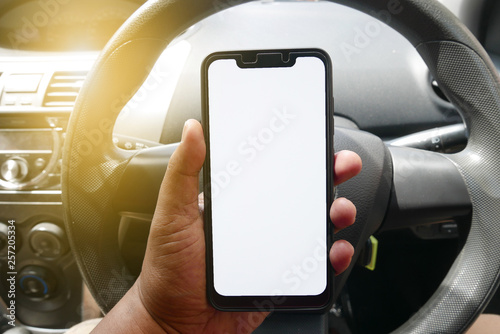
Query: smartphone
[268,179]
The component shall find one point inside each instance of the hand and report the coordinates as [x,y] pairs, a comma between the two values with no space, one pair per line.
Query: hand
[170,293]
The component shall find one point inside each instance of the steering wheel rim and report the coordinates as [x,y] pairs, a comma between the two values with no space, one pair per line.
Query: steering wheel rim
[92,166]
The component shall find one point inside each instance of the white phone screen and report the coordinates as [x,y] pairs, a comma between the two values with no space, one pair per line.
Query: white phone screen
[268,178]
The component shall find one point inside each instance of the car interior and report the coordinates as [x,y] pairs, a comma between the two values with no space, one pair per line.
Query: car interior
[80,233]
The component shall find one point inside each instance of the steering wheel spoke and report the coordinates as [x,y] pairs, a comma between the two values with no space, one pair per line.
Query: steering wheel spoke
[427,188]
[139,185]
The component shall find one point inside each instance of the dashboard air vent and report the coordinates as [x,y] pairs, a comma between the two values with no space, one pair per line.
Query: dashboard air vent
[63,89]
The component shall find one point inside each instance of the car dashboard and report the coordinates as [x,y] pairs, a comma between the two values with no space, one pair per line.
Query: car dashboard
[381,85]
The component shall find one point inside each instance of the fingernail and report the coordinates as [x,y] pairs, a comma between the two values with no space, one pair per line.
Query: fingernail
[184,130]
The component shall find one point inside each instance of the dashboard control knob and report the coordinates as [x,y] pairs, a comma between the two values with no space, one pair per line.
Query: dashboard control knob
[48,240]
[14,169]
[37,282]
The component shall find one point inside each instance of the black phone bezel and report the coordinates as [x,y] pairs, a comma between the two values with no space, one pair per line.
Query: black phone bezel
[258,59]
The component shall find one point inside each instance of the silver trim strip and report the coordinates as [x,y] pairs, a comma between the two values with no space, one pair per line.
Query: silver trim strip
[25,151]
[31,192]
[30,203]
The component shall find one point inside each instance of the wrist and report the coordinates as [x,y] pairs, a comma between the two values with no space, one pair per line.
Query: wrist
[130,315]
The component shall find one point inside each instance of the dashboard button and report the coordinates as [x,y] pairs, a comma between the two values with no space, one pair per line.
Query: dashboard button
[22,83]
[40,163]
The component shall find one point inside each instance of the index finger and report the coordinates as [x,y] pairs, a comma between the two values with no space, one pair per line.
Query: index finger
[347,164]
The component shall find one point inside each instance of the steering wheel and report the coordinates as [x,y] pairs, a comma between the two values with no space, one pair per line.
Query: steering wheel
[398,187]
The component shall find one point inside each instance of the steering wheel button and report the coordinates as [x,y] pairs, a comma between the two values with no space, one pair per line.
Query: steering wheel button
[449,229]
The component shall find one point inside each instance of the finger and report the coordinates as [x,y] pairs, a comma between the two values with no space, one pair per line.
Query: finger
[347,164]
[179,189]
[340,256]
[342,213]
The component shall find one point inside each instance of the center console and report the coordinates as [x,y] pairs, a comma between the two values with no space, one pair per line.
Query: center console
[44,283]
[48,289]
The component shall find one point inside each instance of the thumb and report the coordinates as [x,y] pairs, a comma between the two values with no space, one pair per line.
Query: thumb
[176,237]
[179,190]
